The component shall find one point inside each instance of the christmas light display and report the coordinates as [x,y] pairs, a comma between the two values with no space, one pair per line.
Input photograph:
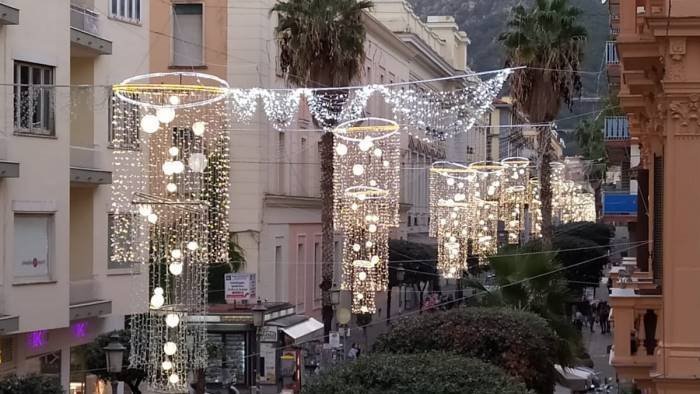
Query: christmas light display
[515,197]
[366,203]
[170,203]
[487,193]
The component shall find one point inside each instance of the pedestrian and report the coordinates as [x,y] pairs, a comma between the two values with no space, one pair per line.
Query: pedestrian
[603,315]
[354,352]
[593,315]
[578,320]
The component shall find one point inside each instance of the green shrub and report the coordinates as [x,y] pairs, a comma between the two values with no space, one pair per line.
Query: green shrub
[435,372]
[30,384]
[521,343]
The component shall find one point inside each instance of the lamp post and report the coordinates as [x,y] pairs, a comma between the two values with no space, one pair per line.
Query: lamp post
[258,321]
[114,353]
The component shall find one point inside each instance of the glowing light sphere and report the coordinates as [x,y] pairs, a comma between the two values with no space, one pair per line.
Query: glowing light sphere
[145,210]
[450,181]
[178,167]
[356,247]
[167,365]
[174,378]
[198,162]
[366,144]
[176,253]
[174,100]
[377,152]
[152,218]
[165,115]
[150,124]
[372,228]
[175,268]
[192,245]
[172,320]
[364,309]
[173,151]
[341,149]
[358,169]
[198,128]
[171,187]
[169,348]
[362,275]
[167,168]
[157,301]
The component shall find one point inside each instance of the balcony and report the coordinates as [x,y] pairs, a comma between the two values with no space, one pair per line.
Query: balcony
[85,37]
[8,169]
[619,207]
[637,321]
[85,300]
[8,323]
[617,130]
[8,15]
[87,166]
[611,56]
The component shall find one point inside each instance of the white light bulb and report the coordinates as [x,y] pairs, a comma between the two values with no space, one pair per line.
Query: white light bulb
[174,100]
[178,167]
[362,275]
[366,144]
[341,149]
[167,168]
[165,115]
[172,320]
[176,253]
[171,187]
[157,301]
[198,128]
[152,218]
[170,348]
[173,151]
[175,268]
[192,245]
[150,124]
[359,296]
[358,169]
[378,152]
[356,247]
[450,181]
[145,210]
[158,290]
[373,183]
[460,185]
[385,163]
[368,244]
[372,228]
[198,162]
[167,365]
[173,378]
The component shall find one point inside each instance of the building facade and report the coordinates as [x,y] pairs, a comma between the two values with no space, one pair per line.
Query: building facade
[58,289]
[655,296]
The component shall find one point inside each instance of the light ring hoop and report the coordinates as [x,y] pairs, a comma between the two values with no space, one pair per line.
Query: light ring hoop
[129,85]
[517,162]
[487,167]
[457,171]
[369,192]
[342,129]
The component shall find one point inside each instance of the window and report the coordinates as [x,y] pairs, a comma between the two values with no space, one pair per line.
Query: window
[125,221]
[187,35]
[281,168]
[33,246]
[410,223]
[301,275]
[317,270]
[33,99]
[6,351]
[126,10]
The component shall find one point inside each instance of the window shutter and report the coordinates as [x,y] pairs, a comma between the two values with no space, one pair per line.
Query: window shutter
[658,242]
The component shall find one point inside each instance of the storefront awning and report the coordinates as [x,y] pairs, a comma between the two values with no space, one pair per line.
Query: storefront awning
[304,329]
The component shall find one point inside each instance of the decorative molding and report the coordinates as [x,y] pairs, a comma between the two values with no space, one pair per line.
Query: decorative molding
[677,51]
[34,206]
[686,115]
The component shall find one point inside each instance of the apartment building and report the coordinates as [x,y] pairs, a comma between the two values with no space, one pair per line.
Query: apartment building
[655,296]
[57,287]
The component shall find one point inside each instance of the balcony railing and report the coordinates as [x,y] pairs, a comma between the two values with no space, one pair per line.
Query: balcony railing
[611,56]
[83,291]
[84,19]
[616,128]
[620,203]
[86,157]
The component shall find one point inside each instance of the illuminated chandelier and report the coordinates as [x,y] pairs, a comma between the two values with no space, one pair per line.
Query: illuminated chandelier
[451,216]
[487,192]
[170,205]
[366,204]
[515,197]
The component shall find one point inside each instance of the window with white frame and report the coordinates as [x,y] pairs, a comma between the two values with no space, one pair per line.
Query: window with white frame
[126,10]
[33,246]
[188,35]
[33,99]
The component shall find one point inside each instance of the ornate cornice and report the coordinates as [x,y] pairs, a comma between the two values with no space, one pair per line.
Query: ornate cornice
[685,115]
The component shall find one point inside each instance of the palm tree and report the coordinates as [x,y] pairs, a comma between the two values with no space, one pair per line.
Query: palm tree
[529,281]
[323,45]
[546,39]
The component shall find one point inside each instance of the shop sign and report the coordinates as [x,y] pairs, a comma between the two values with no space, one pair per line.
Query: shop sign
[239,286]
[268,334]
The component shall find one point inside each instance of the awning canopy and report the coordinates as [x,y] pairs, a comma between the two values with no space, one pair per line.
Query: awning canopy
[304,329]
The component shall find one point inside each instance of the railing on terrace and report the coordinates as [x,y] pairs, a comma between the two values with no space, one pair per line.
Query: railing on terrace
[84,19]
[611,56]
[616,128]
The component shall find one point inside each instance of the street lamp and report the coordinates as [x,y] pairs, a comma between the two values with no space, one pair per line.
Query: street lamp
[400,274]
[114,353]
[258,321]
[335,296]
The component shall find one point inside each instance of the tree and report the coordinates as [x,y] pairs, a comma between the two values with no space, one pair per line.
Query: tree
[216,273]
[547,39]
[528,280]
[519,342]
[322,45]
[30,384]
[419,262]
[95,360]
[427,373]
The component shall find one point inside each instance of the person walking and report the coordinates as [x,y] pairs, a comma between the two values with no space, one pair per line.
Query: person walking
[603,315]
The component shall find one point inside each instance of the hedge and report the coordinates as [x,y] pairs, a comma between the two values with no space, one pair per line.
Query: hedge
[30,384]
[521,343]
[428,373]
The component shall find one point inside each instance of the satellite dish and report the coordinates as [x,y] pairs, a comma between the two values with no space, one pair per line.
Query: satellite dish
[343,315]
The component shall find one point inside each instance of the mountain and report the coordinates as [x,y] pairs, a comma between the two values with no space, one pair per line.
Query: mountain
[484,20]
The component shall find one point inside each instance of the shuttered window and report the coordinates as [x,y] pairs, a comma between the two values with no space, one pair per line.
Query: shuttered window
[187,35]
[658,242]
